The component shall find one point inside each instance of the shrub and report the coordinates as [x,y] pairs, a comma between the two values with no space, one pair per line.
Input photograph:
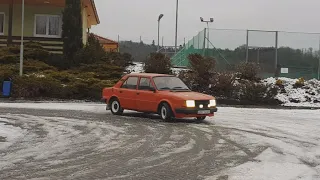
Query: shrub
[119,59]
[33,66]
[9,59]
[279,82]
[203,67]
[299,83]
[257,93]
[248,71]
[91,53]
[101,71]
[223,84]
[188,77]
[8,71]
[158,63]
[33,86]
[32,50]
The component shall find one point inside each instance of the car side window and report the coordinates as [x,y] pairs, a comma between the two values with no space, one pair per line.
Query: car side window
[130,83]
[145,84]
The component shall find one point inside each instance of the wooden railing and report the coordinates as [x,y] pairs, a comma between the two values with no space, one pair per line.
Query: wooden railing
[53,45]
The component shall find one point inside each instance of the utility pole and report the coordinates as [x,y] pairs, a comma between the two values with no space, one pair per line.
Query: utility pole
[118,43]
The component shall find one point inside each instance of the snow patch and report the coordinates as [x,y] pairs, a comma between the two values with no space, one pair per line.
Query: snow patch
[306,96]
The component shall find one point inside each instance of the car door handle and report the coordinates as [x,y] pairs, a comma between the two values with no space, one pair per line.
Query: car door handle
[138,93]
[120,91]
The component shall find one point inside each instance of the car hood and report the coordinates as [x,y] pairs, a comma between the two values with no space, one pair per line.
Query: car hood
[189,95]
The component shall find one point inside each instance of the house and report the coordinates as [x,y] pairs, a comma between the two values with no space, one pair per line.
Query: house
[108,44]
[42,22]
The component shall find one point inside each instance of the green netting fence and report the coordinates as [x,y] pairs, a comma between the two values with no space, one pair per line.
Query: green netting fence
[295,54]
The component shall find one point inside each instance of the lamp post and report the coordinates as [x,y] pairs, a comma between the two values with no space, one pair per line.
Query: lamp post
[159,18]
[207,21]
[176,36]
[21,46]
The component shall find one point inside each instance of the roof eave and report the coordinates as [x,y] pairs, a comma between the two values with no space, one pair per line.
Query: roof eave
[95,11]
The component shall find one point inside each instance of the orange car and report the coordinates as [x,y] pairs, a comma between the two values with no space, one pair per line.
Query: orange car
[162,94]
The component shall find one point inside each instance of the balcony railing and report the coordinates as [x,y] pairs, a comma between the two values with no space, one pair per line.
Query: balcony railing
[53,45]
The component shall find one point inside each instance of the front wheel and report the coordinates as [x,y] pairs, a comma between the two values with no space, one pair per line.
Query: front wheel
[116,108]
[166,112]
[201,118]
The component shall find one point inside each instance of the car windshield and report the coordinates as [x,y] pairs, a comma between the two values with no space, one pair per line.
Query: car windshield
[169,83]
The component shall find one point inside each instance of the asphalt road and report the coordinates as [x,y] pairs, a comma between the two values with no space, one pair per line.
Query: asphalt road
[62,144]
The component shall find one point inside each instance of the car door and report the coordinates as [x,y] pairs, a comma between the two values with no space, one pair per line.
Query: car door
[128,92]
[146,96]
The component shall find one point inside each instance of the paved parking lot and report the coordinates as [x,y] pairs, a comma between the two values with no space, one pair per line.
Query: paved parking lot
[47,141]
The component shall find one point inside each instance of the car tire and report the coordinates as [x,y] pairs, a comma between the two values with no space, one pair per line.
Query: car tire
[201,118]
[115,107]
[165,112]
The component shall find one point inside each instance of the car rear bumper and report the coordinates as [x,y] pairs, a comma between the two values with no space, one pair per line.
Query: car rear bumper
[186,111]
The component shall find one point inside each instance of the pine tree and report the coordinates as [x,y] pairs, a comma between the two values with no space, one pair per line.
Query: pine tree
[72,30]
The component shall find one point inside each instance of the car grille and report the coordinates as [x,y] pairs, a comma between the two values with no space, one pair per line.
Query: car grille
[205,103]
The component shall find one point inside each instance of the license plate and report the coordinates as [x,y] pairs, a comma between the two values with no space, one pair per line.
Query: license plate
[204,112]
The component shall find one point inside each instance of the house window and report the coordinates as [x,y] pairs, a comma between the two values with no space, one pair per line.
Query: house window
[47,26]
[1,23]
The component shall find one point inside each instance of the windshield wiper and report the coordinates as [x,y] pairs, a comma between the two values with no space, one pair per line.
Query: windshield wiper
[164,88]
[180,88]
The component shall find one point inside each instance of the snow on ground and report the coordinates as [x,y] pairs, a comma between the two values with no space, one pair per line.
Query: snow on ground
[87,107]
[9,134]
[138,68]
[306,96]
[290,139]
[287,141]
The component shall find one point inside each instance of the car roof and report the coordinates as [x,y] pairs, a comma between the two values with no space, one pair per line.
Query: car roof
[149,75]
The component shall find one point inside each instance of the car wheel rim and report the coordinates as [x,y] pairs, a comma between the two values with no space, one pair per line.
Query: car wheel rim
[163,113]
[115,106]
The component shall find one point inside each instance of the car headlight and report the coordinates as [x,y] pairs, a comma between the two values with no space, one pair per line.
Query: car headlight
[212,103]
[191,103]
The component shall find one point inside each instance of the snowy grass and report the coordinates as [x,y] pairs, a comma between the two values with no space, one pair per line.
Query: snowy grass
[306,96]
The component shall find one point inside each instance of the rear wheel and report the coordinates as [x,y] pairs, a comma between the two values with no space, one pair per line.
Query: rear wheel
[115,107]
[201,118]
[165,112]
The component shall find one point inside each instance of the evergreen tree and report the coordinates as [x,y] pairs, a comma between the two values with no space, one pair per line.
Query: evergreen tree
[72,30]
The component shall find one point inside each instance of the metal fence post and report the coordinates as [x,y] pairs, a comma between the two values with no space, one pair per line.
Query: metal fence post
[204,41]
[247,46]
[199,40]
[276,53]
[319,61]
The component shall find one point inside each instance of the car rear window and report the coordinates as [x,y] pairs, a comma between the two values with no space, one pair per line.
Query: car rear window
[130,83]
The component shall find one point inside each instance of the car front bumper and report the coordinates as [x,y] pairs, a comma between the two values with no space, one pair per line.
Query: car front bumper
[194,111]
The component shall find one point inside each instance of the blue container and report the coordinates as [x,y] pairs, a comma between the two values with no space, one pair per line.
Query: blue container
[6,88]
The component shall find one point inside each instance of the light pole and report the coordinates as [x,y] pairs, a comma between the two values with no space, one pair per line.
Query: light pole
[21,46]
[176,37]
[210,21]
[159,18]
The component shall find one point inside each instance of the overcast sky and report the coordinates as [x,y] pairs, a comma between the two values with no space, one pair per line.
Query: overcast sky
[134,18]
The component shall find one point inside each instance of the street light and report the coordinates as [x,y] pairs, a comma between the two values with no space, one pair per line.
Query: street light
[159,18]
[176,37]
[207,21]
